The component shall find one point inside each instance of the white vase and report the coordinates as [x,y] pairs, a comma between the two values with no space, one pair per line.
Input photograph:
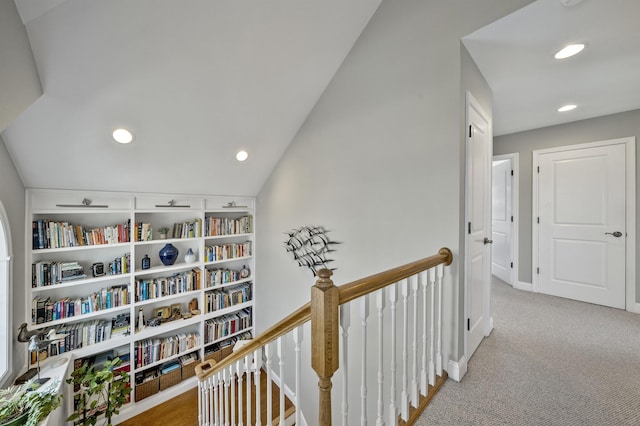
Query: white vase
[190,257]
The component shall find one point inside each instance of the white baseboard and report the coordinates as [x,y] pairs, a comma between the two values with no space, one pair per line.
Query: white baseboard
[520,285]
[634,307]
[457,370]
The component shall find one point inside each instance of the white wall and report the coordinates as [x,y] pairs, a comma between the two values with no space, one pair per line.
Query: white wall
[12,197]
[19,81]
[378,161]
[596,129]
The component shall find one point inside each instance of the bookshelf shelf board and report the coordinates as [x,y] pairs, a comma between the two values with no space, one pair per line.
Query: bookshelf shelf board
[220,237]
[174,267]
[231,259]
[169,297]
[167,359]
[165,241]
[229,284]
[166,327]
[230,309]
[83,211]
[82,317]
[76,248]
[84,281]
[229,336]
[111,343]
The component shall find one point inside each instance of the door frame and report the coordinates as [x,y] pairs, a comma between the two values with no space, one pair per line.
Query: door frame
[630,213]
[515,193]
[471,102]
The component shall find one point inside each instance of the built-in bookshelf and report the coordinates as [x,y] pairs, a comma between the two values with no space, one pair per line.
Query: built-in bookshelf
[94,273]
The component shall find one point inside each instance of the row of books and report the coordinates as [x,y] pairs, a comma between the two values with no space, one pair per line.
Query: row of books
[142,231]
[224,298]
[166,286]
[52,234]
[152,350]
[80,335]
[45,309]
[46,273]
[225,325]
[191,229]
[227,251]
[216,277]
[214,226]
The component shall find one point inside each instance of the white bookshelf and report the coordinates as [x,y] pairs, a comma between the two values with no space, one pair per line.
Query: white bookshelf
[157,210]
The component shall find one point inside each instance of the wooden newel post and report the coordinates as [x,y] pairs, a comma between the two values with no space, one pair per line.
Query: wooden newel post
[324,339]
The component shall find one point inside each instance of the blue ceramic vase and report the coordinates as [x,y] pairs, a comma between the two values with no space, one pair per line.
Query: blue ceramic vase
[168,254]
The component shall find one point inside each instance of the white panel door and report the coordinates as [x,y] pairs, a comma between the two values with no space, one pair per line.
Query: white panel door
[478,214]
[502,221]
[581,234]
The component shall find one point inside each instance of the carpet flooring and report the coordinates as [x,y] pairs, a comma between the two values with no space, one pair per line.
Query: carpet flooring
[548,361]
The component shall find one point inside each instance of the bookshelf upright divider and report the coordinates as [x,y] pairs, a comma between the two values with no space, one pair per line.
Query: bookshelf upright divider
[94,265]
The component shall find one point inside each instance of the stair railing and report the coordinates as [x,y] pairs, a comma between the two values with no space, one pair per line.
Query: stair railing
[230,392]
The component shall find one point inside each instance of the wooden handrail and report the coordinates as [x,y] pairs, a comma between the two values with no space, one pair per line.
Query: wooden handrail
[359,288]
[294,320]
[347,293]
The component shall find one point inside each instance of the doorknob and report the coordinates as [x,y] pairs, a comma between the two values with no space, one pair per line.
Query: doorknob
[488,241]
[616,234]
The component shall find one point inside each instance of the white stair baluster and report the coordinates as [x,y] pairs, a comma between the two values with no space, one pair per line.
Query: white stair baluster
[225,397]
[404,396]
[232,379]
[380,308]
[393,408]
[345,323]
[297,340]
[424,384]
[200,394]
[267,350]
[256,377]
[215,403]
[239,369]
[432,310]
[440,271]
[364,314]
[281,363]
[415,399]
[247,368]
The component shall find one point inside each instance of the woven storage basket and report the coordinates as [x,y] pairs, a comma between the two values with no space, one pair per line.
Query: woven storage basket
[189,370]
[146,389]
[171,378]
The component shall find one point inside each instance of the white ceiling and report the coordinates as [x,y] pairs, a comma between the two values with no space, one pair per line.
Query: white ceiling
[515,54]
[195,80]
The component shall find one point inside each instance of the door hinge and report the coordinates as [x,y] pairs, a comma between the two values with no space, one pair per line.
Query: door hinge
[511,218]
[538,169]
[470,130]
[469,228]
[511,265]
[511,172]
[538,271]
[468,324]
[538,219]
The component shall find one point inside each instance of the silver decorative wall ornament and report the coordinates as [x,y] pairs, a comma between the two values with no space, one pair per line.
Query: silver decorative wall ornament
[310,245]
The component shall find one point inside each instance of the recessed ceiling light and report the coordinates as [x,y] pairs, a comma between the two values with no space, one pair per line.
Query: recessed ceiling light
[122,136]
[568,107]
[242,155]
[569,50]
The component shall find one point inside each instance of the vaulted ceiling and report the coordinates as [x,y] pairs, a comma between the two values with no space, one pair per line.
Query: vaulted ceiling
[515,55]
[197,80]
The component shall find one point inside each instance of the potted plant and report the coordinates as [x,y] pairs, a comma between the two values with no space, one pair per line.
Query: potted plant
[103,390]
[23,405]
[163,232]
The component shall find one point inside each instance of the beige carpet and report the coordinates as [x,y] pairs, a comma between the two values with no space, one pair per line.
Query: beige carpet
[548,361]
